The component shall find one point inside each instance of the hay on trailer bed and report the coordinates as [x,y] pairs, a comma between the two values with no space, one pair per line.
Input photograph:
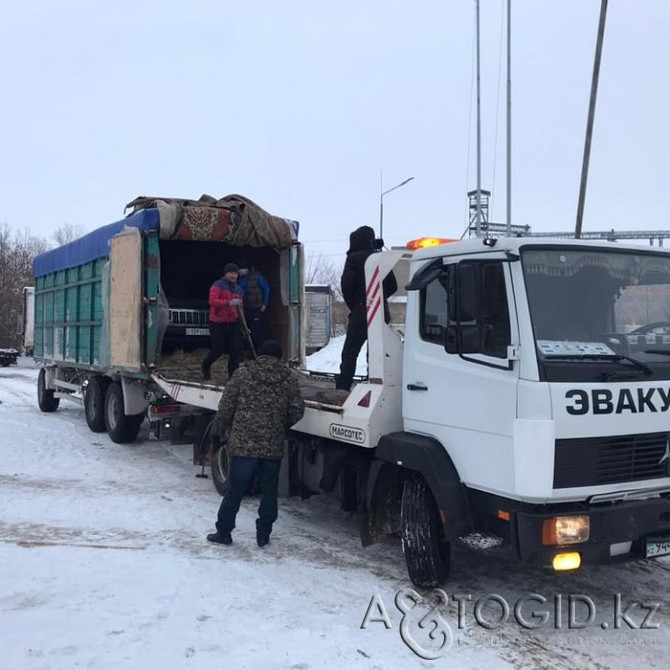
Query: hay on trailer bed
[186,366]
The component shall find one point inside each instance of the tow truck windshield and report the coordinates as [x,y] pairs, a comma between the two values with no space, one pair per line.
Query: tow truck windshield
[596,313]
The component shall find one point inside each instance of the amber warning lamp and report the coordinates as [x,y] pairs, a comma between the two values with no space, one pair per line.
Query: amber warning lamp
[423,242]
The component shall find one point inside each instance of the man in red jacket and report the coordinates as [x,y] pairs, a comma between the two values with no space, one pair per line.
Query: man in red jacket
[225,301]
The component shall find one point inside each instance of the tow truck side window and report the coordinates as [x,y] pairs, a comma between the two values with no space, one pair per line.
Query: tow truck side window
[464,308]
[433,320]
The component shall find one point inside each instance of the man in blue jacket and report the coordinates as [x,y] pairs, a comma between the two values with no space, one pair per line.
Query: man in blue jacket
[256,300]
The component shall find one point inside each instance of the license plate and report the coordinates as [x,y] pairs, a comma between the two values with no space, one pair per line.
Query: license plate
[657,546]
[197,331]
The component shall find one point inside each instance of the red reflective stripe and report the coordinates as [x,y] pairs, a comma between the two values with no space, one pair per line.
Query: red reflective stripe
[375,274]
[374,293]
[372,312]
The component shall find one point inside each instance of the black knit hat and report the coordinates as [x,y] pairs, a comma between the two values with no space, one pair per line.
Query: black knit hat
[230,267]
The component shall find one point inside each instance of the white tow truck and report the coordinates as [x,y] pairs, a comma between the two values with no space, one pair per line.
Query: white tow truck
[526,402]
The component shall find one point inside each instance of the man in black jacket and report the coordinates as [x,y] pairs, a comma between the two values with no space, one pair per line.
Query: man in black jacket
[361,246]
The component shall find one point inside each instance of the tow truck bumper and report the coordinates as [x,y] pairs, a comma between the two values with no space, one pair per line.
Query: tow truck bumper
[618,531]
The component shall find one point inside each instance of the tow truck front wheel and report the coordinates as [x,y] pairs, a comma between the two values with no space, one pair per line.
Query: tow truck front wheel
[121,428]
[425,546]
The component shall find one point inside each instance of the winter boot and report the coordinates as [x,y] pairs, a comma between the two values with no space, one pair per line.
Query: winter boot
[220,538]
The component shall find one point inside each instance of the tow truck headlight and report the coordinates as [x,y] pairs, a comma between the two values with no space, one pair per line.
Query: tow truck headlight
[565,530]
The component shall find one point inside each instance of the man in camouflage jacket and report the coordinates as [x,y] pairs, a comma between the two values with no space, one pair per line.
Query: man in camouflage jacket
[260,402]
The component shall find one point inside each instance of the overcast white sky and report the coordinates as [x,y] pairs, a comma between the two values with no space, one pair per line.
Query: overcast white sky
[299,105]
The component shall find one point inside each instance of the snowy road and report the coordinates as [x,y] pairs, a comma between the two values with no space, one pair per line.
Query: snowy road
[103,564]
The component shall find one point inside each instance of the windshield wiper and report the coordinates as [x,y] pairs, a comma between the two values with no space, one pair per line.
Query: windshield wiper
[616,358]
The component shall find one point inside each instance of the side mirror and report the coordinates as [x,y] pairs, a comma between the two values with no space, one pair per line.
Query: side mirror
[470,339]
[451,339]
[467,292]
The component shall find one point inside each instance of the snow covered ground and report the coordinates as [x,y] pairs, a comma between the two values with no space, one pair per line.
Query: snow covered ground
[104,564]
[328,358]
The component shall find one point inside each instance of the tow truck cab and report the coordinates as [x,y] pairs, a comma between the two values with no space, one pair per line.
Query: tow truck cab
[536,401]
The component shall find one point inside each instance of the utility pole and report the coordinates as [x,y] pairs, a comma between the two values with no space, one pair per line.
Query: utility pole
[479,138]
[509,118]
[589,123]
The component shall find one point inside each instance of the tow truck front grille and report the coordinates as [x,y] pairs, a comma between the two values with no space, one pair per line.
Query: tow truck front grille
[610,460]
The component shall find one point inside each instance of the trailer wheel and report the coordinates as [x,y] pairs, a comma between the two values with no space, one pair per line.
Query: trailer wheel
[120,427]
[220,468]
[45,396]
[426,548]
[94,403]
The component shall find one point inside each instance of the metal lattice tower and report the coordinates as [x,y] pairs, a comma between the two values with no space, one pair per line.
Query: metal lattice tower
[484,197]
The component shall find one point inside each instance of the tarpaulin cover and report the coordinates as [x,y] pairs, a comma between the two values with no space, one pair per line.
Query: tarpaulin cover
[234,219]
[94,245]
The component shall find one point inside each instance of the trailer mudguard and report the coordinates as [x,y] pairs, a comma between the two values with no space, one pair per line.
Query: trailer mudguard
[429,458]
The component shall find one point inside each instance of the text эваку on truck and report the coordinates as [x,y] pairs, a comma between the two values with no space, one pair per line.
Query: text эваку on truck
[523,405]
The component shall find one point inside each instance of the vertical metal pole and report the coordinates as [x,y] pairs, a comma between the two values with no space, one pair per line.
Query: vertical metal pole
[589,123]
[509,118]
[479,139]
[381,216]
[381,205]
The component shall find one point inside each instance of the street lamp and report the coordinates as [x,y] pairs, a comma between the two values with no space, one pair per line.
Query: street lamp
[381,204]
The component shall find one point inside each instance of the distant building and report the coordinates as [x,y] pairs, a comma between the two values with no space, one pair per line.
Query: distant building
[319,310]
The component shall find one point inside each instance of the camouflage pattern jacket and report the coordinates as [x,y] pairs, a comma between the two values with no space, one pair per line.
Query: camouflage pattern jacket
[260,402]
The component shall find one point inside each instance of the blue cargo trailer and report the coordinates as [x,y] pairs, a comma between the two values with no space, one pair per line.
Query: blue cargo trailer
[121,314]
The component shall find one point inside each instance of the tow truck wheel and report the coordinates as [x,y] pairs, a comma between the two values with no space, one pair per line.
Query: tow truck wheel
[120,427]
[220,468]
[426,548]
[94,403]
[45,396]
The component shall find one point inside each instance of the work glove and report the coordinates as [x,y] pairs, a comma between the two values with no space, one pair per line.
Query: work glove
[263,308]
[235,302]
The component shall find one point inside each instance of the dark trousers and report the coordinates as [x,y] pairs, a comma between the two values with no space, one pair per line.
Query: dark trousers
[242,471]
[255,324]
[226,338]
[357,333]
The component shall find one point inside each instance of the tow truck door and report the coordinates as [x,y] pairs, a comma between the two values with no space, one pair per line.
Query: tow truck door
[460,377]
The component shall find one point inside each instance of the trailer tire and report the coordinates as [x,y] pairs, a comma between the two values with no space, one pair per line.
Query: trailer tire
[45,396]
[94,403]
[220,466]
[120,427]
[424,543]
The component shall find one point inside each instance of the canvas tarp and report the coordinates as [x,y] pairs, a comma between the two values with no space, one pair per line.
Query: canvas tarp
[234,219]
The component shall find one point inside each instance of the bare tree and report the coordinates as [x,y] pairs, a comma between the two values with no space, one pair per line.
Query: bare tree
[17,251]
[68,232]
[320,269]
